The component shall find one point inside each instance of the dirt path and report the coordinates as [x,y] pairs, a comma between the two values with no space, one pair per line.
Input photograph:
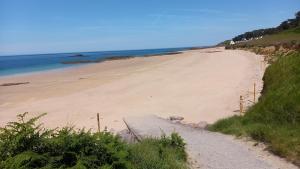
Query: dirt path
[209,150]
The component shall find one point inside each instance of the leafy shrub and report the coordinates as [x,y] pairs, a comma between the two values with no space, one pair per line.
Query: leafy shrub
[25,145]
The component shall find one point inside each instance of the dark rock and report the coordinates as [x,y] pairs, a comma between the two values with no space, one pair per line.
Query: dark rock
[14,84]
[176,118]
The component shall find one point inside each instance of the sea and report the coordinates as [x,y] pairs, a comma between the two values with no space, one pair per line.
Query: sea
[20,64]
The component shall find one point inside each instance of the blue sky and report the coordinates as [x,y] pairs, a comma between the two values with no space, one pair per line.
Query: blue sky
[51,26]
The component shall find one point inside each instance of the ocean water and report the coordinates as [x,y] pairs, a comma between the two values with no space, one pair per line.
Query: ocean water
[11,65]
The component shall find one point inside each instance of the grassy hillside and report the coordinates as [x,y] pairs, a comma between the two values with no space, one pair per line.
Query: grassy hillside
[285,25]
[25,145]
[289,38]
[275,119]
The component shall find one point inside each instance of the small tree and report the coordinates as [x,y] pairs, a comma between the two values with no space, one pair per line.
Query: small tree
[297,15]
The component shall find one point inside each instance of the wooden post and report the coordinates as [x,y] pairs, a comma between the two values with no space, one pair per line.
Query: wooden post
[98,121]
[136,137]
[241,105]
[254,92]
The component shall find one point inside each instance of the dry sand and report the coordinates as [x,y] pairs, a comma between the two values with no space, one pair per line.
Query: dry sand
[200,85]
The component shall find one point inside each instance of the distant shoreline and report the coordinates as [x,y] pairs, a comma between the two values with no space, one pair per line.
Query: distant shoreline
[70,60]
[77,64]
[117,58]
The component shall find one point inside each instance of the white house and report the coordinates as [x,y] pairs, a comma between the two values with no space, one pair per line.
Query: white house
[232,42]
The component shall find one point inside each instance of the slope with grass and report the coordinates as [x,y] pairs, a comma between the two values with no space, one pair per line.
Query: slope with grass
[275,119]
[285,25]
[287,39]
[287,36]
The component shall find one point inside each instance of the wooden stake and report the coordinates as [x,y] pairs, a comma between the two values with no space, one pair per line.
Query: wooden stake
[254,92]
[241,105]
[98,121]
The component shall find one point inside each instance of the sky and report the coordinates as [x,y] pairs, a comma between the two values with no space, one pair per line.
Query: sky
[54,26]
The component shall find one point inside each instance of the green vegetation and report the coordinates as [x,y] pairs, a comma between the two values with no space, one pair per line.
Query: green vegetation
[285,25]
[224,43]
[25,145]
[286,36]
[275,119]
[166,153]
[288,39]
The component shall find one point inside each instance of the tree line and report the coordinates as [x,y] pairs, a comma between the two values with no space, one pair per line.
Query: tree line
[288,24]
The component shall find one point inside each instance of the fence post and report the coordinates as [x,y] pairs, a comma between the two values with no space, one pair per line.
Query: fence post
[241,105]
[98,121]
[254,92]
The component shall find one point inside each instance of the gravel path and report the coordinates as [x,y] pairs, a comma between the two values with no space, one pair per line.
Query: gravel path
[207,150]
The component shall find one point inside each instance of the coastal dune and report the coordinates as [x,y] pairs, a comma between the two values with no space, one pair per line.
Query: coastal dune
[199,85]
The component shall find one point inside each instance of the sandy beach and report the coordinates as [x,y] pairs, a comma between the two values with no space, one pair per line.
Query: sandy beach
[200,85]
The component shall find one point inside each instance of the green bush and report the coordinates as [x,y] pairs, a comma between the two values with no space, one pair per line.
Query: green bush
[166,153]
[25,145]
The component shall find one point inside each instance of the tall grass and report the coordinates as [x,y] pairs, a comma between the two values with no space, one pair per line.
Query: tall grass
[275,119]
[165,153]
[26,145]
